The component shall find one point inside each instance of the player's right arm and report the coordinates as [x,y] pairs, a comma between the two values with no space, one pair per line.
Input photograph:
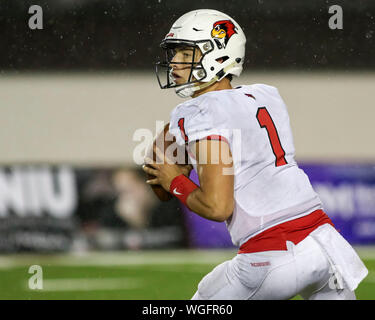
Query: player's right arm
[214,199]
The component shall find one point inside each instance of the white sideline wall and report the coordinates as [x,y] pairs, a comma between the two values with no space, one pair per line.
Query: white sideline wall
[90,119]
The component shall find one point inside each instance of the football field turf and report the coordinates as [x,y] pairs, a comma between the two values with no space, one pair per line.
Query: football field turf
[135,275]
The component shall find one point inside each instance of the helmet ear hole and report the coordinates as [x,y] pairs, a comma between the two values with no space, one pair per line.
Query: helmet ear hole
[222,59]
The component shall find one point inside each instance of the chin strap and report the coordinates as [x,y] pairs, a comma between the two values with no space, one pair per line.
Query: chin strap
[188,90]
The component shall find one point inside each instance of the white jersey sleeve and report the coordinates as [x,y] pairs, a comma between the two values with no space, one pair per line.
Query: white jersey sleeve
[191,122]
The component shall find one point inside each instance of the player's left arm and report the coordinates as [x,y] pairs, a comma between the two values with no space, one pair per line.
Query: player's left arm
[214,199]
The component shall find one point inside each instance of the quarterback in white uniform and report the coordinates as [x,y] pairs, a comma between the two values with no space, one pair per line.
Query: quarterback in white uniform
[239,141]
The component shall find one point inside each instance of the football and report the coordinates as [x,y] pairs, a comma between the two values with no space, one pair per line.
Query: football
[169,139]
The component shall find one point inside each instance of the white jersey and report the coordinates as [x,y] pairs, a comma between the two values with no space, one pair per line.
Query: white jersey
[269,188]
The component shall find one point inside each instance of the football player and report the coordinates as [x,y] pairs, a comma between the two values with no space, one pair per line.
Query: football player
[240,143]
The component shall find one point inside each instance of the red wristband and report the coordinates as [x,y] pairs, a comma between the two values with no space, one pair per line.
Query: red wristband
[181,187]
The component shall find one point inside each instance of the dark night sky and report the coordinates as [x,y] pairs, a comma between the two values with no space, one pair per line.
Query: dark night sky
[125,34]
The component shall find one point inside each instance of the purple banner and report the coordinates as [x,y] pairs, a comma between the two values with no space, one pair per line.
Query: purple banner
[348,195]
[346,190]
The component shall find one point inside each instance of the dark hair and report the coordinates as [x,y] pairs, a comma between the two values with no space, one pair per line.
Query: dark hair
[229,77]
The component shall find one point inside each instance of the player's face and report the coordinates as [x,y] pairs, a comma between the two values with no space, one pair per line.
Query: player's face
[180,70]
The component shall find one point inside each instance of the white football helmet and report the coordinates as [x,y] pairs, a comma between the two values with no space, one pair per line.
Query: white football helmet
[220,40]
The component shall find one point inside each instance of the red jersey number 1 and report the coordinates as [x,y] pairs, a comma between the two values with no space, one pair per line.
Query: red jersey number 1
[265,121]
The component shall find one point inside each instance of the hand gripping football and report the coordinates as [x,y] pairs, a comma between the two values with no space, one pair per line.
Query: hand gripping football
[169,139]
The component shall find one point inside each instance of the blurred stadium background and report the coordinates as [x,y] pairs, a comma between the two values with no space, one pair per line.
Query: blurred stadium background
[72,95]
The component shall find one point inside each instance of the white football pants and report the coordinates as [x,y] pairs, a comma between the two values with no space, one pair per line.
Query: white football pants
[303,269]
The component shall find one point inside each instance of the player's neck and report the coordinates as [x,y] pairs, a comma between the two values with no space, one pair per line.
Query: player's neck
[224,84]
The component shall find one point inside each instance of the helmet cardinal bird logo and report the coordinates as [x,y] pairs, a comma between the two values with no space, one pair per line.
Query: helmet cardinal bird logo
[222,31]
